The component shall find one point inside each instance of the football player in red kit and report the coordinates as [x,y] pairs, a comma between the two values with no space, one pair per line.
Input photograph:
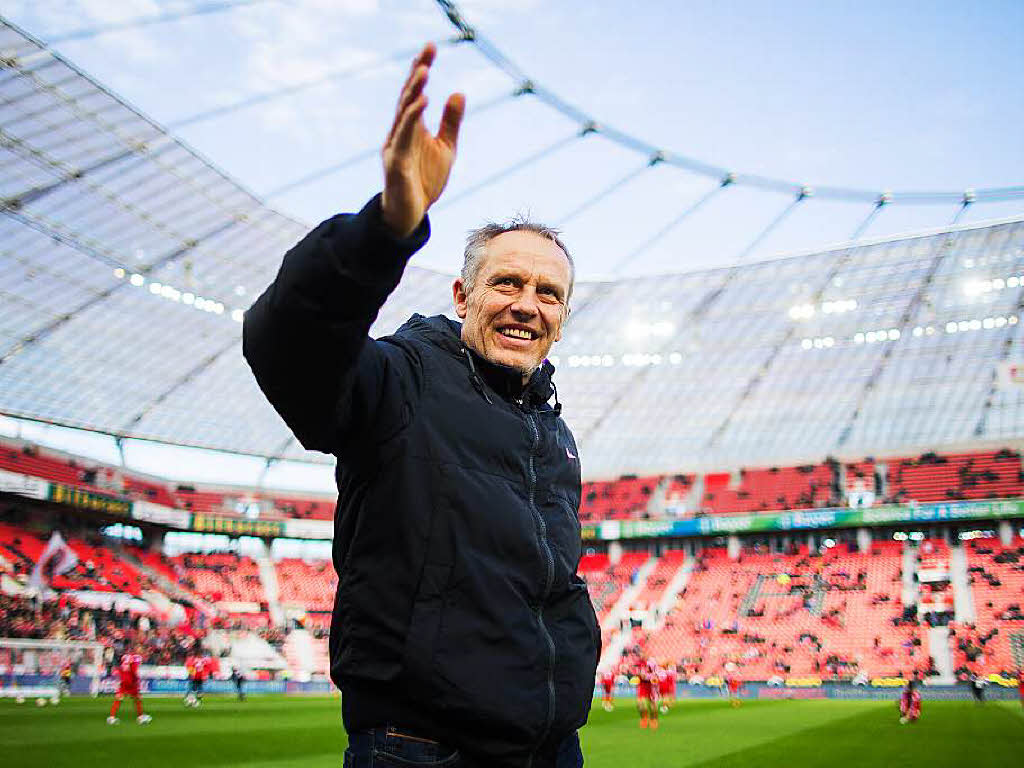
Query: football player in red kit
[733,684]
[666,686]
[607,683]
[198,667]
[646,676]
[910,703]
[128,672]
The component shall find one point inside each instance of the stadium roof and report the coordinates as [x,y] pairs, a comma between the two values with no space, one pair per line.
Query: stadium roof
[126,260]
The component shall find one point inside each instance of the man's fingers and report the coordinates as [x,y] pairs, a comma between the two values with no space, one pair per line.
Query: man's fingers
[405,130]
[417,83]
[424,58]
[451,119]
[413,88]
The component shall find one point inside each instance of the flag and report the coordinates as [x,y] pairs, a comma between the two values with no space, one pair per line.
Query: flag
[56,549]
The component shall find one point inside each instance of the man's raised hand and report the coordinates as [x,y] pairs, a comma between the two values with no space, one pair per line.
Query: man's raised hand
[417,164]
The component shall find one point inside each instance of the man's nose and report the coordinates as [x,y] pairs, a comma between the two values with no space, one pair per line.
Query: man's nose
[526,303]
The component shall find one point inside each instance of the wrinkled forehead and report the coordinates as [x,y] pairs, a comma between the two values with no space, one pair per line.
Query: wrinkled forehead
[530,253]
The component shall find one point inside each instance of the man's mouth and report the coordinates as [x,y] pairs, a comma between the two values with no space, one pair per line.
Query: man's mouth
[518,332]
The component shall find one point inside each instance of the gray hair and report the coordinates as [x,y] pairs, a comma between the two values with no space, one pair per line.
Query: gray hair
[477,240]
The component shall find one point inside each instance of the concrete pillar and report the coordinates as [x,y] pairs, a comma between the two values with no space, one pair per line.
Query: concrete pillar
[811,543]
[1005,533]
[732,547]
[863,539]
[614,552]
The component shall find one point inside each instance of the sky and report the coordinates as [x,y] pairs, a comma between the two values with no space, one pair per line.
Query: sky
[873,95]
[870,95]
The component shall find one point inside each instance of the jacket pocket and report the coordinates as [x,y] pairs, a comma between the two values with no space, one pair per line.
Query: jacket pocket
[421,640]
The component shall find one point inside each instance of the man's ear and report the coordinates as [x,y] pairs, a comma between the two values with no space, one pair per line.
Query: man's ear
[558,335]
[460,298]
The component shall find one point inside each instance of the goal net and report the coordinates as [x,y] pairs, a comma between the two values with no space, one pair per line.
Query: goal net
[32,668]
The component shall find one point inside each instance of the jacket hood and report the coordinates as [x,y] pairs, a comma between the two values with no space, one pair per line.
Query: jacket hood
[446,333]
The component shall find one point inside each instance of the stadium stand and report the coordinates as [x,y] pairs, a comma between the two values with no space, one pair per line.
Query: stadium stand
[617,499]
[64,619]
[796,615]
[98,568]
[606,581]
[801,487]
[309,585]
[942,477]
[657,581]
[930,477]
[995,640]
[222,577]
[54,466]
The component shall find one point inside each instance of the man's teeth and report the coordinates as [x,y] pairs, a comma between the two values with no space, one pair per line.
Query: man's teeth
[516,333]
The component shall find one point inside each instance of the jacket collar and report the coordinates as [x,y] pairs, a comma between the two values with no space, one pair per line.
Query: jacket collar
[505,381]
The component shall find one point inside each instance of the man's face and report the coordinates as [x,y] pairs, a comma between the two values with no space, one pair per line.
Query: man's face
[518,303]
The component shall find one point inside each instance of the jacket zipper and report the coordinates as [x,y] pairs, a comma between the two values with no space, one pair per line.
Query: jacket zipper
[549,575]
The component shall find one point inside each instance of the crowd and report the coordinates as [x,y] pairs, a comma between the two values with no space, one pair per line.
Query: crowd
[63,619]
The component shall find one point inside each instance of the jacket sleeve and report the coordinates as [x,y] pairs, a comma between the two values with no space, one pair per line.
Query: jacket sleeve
[306,337]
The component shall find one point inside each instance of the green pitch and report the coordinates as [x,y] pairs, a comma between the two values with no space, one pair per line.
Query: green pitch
[298,731]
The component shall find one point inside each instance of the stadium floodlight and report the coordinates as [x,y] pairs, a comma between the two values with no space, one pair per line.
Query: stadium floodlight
[31,668]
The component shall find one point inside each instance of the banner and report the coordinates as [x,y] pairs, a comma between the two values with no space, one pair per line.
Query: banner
[158,513]
[309,529]
[98,502]
[805,519]
[58,550]
[236,526]
[23,485]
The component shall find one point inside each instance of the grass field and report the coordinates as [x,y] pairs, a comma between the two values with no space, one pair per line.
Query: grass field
[297,731]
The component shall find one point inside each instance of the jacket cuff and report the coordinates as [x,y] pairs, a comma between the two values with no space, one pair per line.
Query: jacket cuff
[379,256]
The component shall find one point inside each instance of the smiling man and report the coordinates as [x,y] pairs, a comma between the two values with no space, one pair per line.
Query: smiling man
[513,295]
[462,634]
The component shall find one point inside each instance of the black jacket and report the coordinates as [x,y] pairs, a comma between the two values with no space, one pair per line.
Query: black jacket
[459,612]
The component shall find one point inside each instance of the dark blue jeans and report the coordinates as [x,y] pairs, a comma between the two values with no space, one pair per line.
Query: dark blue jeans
[391,747]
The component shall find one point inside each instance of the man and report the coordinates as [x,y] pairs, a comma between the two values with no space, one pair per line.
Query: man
[461,630]
[978,684]
[239,680]
[128,672]
[607,684]
[645,674]
[666,685]
[910,703]
[733,685]
[64,684]
[197,668]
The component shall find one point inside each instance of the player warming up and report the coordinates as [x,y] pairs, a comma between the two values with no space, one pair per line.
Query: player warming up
[64,684]
[128,672]
[666,686]
[646,677]
[607,683]
[910,703]
[197,666]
